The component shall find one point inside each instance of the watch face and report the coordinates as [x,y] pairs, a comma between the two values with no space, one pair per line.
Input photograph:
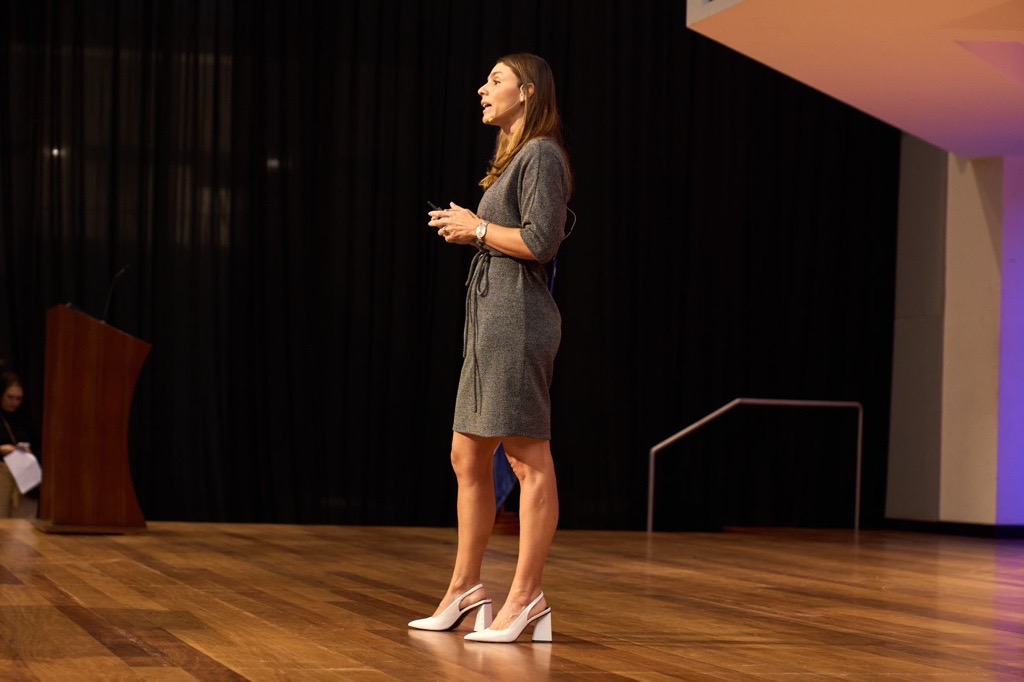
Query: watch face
[481,230]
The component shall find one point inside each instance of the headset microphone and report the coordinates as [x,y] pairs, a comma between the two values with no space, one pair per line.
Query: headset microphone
[509,108]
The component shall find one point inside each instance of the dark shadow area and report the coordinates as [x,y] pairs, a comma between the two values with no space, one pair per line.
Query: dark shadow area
[264,167]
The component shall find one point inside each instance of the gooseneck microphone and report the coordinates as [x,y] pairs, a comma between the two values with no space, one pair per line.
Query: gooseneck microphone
[106,308]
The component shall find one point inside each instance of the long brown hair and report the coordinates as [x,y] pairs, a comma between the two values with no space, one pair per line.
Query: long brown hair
[541,119]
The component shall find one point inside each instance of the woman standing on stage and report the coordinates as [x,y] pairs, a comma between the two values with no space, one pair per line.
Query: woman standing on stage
[511,335]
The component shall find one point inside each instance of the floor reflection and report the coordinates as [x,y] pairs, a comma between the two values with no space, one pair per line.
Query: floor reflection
[517,661]
[1007,605]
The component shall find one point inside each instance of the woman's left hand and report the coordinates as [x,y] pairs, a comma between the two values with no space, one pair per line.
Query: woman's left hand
[455,225]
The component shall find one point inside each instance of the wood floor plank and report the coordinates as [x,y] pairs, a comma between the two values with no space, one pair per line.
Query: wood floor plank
[269,602]
[36,633]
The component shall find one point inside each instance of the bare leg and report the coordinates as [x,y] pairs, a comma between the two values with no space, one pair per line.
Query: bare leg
[473,461]
[538,518]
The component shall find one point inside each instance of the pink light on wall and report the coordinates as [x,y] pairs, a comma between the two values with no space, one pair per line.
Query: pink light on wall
[1005,57]
[1010,472]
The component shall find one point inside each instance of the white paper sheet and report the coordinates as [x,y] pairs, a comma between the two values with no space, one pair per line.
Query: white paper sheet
[25,468]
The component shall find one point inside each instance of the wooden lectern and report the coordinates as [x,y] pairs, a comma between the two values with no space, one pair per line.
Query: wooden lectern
[90,375]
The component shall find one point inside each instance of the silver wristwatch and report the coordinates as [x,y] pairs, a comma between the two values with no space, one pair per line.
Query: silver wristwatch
[481,234]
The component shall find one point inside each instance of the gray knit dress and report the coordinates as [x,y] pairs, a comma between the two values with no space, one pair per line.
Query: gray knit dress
[513,327]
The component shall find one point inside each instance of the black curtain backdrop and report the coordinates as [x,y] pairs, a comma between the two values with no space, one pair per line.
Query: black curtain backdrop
[264,168]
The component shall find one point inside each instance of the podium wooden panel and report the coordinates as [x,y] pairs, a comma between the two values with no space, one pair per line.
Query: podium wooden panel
[90,376]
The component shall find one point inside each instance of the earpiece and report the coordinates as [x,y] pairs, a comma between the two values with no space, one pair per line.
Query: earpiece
[522,100]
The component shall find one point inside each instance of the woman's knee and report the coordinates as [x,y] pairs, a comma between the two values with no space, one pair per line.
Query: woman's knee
[465,464]
[530,460]
[471,460]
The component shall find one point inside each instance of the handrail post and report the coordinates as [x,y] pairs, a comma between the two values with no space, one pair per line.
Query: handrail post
[761,401]
[669,441]
[860,451]
[650,489]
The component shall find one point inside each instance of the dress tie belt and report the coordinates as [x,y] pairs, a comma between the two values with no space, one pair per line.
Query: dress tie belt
[477,285]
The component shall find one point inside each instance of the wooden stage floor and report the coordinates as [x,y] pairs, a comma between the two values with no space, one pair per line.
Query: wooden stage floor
[222,601]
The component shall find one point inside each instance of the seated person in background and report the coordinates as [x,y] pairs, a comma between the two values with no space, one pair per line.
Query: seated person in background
[14,429]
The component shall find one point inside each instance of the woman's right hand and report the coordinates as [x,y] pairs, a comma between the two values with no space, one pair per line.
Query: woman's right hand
[6,449]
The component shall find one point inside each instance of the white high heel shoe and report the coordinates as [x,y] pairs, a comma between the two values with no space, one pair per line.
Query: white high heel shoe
[541,631]
[452,615]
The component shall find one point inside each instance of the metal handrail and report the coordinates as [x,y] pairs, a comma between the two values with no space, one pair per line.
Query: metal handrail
[760,401]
